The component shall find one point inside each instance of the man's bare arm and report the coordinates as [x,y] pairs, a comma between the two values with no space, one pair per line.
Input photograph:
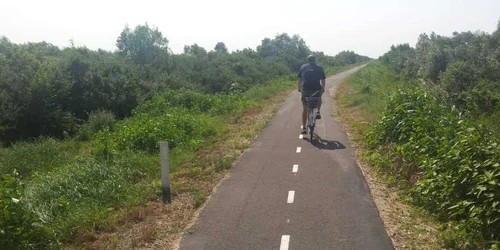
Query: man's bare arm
[299,84]
[323,84]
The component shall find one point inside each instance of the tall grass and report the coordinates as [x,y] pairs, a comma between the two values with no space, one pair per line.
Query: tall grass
[42,155]
[85,192]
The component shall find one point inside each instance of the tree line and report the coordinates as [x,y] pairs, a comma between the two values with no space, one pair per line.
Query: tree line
[465,67]
[50,91]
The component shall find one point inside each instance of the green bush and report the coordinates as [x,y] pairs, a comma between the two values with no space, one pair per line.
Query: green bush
[454,162]
[143,131]
[458,79]
[484,98]
[98,121]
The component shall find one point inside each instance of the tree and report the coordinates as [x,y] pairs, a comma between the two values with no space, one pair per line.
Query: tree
[143,45]
[401,59]
[220,47]
[432,57]
[291,51]
[195,50]
[458,78]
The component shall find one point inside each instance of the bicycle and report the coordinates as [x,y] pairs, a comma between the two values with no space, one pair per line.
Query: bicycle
[312,104]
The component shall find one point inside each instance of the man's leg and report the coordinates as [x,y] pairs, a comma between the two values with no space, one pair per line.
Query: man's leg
[318,115]
[304,112]
[304,116]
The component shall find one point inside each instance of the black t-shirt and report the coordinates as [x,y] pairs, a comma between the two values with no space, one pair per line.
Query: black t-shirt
[311,75]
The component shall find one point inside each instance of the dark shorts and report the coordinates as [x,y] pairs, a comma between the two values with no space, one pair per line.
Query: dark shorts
[308,93]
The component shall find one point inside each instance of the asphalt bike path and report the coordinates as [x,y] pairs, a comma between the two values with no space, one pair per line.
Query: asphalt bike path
[288,193]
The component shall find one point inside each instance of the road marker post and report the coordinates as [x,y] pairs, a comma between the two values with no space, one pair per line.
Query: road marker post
[165,174]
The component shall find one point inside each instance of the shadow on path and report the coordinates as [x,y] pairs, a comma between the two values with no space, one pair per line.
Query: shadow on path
[325,144]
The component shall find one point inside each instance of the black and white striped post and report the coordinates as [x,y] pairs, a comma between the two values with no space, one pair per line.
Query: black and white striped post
[165,173]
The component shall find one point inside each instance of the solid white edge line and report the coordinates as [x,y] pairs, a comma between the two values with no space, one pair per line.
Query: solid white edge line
[295,168]
[285,241]
[299,149]
[291,196]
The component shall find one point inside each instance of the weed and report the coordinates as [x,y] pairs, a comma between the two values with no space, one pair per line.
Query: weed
[199,198]
[224,163]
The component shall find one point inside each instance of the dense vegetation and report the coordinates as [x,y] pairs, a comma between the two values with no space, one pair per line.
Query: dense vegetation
[45,90]
[435,129]
[464,68]
[111,109]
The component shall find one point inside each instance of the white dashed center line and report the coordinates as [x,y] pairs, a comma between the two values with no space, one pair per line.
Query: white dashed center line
[295,168]
[301,136]
[285,241]
[299,149]
[291,196]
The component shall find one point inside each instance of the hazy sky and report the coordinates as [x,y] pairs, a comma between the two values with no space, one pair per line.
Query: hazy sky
[368,27]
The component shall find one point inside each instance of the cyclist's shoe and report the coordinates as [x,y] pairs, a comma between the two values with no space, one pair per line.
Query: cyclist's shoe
[304,131]
[318,115]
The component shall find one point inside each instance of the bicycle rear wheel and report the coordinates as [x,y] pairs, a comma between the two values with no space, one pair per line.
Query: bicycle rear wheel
[311,123]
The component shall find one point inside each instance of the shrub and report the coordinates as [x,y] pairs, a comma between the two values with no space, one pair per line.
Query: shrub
[143,132]
[455,162]
[98,121]
[484,98]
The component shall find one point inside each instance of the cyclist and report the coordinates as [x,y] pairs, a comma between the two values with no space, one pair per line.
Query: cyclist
[311,79]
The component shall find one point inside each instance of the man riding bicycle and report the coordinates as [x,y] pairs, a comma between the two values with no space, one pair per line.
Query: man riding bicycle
[311,80]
